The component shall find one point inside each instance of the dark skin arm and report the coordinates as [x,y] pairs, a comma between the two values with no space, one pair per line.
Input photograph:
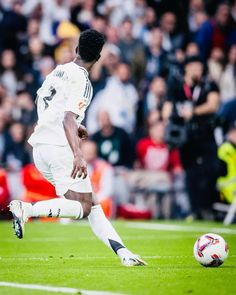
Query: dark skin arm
[82,132]
[71,131]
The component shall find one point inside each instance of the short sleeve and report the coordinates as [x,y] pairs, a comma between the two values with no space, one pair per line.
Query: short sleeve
[78,93]
[212,87]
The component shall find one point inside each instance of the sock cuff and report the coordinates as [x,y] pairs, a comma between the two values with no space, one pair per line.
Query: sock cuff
[98,206]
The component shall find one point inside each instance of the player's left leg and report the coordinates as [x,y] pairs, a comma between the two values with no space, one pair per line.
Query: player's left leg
[104,230]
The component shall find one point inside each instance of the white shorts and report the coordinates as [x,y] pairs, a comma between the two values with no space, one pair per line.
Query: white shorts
[55,163]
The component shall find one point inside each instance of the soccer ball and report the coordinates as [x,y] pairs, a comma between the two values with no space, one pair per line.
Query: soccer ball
[210,250]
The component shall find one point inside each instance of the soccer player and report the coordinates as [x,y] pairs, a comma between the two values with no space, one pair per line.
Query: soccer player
[61,103]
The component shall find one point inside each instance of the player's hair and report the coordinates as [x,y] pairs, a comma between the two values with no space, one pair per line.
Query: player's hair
[90,45]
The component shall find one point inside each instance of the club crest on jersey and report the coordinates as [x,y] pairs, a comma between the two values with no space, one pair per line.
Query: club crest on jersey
[82,104]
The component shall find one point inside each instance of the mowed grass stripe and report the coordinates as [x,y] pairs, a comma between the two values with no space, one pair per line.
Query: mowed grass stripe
[179,228]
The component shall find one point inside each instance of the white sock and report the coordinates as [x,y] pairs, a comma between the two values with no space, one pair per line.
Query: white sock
[104,230]
[57,208]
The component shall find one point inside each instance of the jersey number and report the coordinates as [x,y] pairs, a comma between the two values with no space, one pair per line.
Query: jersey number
[48,98]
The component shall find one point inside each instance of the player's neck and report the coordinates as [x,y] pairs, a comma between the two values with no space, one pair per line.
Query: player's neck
[81,63]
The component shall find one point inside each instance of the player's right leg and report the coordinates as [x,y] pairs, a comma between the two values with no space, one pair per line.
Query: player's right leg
[104,230]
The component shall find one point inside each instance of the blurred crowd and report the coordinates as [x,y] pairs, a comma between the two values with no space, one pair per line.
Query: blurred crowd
[167,71]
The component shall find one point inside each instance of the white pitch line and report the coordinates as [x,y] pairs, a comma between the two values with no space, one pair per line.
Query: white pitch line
[55,289]
[174,227]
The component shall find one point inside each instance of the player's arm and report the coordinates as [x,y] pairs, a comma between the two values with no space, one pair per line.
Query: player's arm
[71,131]
[82,132]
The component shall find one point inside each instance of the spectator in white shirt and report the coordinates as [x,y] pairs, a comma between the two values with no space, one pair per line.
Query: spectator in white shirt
[228,82]
[119,98]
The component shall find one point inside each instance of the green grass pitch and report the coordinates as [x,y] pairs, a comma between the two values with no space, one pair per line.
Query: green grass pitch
[54,254]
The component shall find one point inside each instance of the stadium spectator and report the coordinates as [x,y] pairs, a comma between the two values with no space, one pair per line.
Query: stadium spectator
[219,32]
[99,23]
[119,98]
[106,67]
[154,154]
[9,71]
[8,107]
[215,64]
[48,18]
[175,66]
[2,138]
[156,95]
[117,10]
[195,6]
[46,65]
[156,169]
[192,49]
[112,35]
[227,163]
[15,155]
[129,46]
[233,10]
[25,111]
[156,56]
[33,27]
[132,50]
[150,21]
[227,113]
[34,77]
[64,54]
[113,143]
[171,40]
[227,82]
[82,13]
[12,23]
[194,101]
[35,53]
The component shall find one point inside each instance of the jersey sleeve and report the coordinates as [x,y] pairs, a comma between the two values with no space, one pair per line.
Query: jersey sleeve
[78,92]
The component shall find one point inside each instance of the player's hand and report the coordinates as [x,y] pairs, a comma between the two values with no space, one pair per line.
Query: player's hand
[82,132]
[79,168]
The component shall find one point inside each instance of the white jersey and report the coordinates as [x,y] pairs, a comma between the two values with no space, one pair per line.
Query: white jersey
[66,88]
